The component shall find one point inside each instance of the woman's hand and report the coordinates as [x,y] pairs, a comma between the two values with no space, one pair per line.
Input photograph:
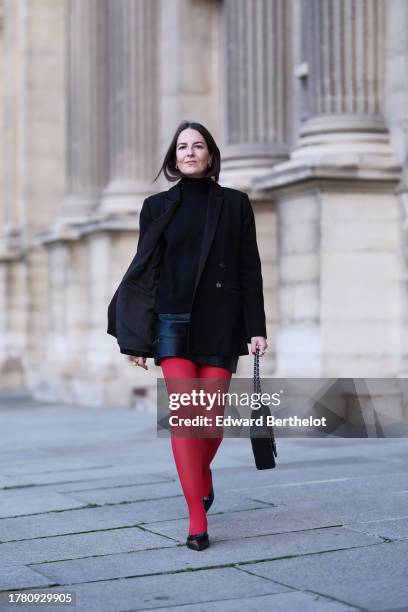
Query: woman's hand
[260,342]
[138,361]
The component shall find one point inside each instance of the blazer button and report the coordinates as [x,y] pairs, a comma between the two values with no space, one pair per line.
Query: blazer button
[218,285]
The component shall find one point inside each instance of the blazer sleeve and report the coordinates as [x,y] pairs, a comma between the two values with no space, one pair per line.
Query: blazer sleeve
[145,218]
[251,276]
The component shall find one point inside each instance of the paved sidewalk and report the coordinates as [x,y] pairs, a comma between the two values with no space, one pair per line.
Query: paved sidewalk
[90,503]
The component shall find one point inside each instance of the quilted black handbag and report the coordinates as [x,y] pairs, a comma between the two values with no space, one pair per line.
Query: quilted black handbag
[262,438]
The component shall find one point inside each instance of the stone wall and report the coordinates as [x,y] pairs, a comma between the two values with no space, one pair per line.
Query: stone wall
[33,177]
[308,102]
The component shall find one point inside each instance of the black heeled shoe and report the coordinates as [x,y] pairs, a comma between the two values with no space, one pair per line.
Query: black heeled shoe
[208,499]
[198,541]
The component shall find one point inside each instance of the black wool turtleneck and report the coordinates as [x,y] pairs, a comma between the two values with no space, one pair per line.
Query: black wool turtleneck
[181,242]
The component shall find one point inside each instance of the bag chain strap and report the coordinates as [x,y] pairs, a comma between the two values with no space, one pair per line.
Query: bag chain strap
[257,379]
[257,389]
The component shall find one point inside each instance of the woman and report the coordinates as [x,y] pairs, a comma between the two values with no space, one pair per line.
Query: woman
[192,298]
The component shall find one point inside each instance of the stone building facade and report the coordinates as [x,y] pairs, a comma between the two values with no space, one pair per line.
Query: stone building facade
[308,100]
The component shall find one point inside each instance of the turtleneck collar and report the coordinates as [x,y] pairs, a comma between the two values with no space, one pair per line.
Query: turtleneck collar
[195,186]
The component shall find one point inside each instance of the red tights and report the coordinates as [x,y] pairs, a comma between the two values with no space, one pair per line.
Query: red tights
[193,456]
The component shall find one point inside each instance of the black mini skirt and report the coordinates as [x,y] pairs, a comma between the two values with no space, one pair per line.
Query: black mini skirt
[171,341]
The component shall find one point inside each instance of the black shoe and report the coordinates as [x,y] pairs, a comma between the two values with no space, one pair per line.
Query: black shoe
[208,499]
[199,541]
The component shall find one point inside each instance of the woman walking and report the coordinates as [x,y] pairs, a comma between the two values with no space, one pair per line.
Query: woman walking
[192,298]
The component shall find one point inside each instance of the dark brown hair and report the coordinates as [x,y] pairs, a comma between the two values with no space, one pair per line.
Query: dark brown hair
[168,166]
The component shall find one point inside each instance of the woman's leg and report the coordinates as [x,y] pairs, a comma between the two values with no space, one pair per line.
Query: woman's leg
[187,452]
[221,381]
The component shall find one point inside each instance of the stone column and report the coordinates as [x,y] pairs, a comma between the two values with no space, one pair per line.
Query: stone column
[339,220]
[189,69]
[133,103]
[2,66]
[257,87]
[397,118]
[13,230]
[343,75]
[14,286]
[86,120]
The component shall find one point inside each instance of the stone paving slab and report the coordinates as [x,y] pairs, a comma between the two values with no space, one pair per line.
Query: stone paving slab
[280,519]
[312,490]
[365,444]
[15,577]
[57,548]
[386,593]
[398,452]
[315,449]
[310,460]
[358,507]
[115,482]
[130,493]
[238,479]
[219,553]
[248,476]
[12,456]
[92,519]
[375,577]
[97,484]
[21,502]
[72,475]
[357,467]
[59,464]
[105,517]
[182,588]
[361,447]
[392,529]
[293,601]
[4,482]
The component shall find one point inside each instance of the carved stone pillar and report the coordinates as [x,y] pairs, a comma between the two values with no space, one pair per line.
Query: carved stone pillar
[397,118]
[257,87]
[344,54]
[133,103]
[13,228]
[86,56]
[339,221]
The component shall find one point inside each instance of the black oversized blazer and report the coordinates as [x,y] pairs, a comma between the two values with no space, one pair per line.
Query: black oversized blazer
[227,307]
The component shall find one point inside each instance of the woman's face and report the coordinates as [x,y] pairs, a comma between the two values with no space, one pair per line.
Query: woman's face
[192,155]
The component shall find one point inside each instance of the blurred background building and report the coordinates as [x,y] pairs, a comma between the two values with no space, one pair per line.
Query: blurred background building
[308,100]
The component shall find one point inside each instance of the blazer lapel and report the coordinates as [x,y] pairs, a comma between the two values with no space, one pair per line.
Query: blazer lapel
[215,201]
